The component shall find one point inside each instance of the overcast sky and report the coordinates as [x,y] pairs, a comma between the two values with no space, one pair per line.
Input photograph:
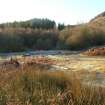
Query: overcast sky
[64,11]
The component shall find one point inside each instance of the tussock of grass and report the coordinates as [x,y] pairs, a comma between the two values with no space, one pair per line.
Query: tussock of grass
[36,87]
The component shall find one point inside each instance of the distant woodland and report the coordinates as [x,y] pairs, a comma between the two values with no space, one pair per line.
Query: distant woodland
[45,34]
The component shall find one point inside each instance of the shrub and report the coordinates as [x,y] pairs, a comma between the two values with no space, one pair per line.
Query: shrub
[82,36]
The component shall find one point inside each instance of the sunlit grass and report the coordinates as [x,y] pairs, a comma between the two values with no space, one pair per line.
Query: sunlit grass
[37,86]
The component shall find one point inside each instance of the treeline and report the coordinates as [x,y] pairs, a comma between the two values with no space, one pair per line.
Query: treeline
[13,39]
[34,34]
[33,23]
[81,37]
[44,34]
[22,39]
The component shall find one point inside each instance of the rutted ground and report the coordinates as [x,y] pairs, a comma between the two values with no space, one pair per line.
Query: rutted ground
[66,61]
[91,69]
[79,62]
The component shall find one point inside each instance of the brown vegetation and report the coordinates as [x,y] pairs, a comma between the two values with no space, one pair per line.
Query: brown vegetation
[43,34]
[84,35]
[23,62]
[95,52]
[36,86]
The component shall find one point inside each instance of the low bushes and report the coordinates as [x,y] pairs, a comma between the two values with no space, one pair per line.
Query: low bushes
[99,51]
[20,39]
[81,37]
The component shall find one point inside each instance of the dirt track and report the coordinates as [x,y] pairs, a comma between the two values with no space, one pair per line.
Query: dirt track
[65,60]
[91,68]
[78,62]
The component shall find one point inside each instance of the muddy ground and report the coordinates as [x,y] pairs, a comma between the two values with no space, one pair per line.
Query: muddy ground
[91,69]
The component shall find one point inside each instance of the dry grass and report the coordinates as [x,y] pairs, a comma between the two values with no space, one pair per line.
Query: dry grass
[99,51]
[37,86]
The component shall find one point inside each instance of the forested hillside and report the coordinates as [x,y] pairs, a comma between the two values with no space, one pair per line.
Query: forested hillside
[45,34]
[84,35]
[35,34]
